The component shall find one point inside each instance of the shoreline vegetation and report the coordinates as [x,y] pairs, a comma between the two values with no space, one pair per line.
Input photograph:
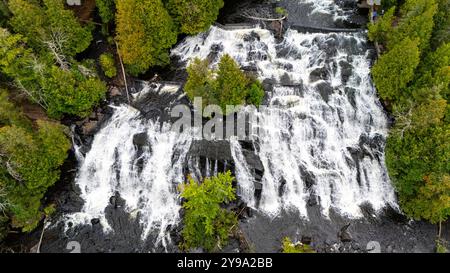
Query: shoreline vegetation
[412,77]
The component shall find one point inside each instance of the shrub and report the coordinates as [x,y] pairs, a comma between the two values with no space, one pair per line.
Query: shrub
[206,224]
[108,65]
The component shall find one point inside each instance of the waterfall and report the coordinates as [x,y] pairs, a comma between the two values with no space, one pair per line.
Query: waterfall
[321,139]
[146,179]
[322,136]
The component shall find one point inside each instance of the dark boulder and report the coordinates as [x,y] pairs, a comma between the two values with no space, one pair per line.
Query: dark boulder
[346,71]
[318,74]
[344,235]
[325,90]
[140,139]
[306,240]
[351,95]
[285,80]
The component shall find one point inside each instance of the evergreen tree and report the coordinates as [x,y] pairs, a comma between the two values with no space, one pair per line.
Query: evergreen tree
[145,32]
[194,16]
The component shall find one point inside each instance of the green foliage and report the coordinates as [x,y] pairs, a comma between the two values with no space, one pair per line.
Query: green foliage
[206,224]
[395,69]
[416,22]
[387,4]
[4,13]
[417,161]
[59,90]
[106,10]
[442,24]
[440,246]
[9,114]
[71,92]
[230,83]
[432,202]
[48,26]
[20,64]
[194,16]
[108,65]
[281,11]
[434,70]
[31,161]
[382,28]
[417,87]
[255,94]
[145,32]
[290,247]
[227,85]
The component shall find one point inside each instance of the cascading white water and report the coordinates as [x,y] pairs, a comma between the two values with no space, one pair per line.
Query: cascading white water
[145,180]
[327,7]
[306,144]
[312,124]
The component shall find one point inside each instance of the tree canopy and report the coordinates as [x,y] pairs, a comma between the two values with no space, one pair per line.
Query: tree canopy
[194,16]
[145,32]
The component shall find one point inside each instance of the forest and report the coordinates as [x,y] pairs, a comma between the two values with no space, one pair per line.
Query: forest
[412,77]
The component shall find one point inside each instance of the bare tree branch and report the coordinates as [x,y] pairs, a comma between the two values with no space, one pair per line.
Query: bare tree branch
[55,44]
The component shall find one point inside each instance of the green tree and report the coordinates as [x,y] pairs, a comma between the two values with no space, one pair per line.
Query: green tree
[4,13]
[106,10]
[442,24]
[416,22]
[415,154]
[255,94]
[230,84]
[145,32]
[19,63]
[49,27]
[194,16]
[395,69]
[71,92]
[200,81]
[432,201]
[9,114]
[434,70]
[206,224]
[382,28]
[32,162]
[226,85]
